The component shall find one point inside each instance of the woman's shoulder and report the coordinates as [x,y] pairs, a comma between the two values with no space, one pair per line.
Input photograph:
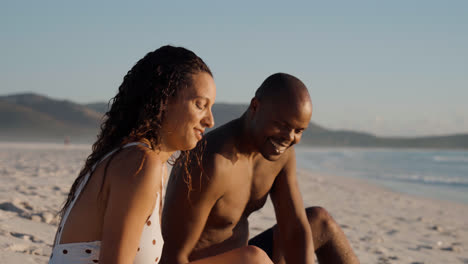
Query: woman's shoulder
[136,164]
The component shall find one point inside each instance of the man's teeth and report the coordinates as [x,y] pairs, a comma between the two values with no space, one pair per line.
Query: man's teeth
[279,148]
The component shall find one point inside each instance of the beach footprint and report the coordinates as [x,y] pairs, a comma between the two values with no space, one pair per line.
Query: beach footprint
[26,237]
[15,207]
[27,249]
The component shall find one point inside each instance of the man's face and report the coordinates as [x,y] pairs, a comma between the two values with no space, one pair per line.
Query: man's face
[278,124]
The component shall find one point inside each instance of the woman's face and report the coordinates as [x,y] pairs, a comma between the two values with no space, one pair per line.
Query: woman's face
[189,113]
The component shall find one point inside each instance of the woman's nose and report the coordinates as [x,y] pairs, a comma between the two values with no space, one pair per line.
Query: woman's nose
[209,119]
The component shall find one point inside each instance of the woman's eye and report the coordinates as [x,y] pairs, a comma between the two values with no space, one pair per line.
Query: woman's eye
[200,106]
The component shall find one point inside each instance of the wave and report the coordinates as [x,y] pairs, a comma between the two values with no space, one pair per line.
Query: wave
[450,159]
[436,180]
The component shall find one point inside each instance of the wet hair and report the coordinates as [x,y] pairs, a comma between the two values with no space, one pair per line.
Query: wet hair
[137,111]
[281,84]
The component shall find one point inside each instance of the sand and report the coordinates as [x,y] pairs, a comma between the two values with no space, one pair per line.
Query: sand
[383,226]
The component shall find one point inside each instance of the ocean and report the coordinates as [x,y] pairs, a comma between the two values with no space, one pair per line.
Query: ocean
[436,174]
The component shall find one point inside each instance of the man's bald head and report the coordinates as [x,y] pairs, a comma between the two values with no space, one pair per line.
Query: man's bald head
[283,89]
[278,114]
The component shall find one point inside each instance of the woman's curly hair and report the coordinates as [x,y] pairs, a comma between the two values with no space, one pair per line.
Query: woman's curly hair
[138,110]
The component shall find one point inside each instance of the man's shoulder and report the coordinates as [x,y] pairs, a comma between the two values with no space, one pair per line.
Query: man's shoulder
[217,163]
[220,143]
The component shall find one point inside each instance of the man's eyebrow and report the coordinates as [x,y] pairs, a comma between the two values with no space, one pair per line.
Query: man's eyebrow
[282,122]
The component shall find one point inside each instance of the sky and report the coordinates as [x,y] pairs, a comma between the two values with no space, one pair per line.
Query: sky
[391,68]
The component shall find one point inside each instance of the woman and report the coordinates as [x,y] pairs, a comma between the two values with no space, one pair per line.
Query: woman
[112,214]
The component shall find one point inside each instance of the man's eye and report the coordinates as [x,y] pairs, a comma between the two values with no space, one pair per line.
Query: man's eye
[281,125]
[299,131]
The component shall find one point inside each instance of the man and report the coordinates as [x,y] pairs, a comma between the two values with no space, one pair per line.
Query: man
[244,161]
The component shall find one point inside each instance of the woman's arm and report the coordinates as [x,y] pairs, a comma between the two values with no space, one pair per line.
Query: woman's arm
[134,177]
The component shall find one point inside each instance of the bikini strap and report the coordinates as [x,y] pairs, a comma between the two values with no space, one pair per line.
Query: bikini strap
[58,236]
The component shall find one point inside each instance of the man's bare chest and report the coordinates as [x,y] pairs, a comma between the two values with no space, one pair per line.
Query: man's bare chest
[247,189]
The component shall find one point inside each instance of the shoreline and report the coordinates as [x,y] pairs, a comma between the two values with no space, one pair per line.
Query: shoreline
[438,175]
[374,184]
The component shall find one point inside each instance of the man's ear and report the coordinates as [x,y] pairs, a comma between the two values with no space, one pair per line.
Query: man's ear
[253,107]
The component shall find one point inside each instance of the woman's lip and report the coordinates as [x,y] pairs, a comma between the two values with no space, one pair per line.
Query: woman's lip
[198,133]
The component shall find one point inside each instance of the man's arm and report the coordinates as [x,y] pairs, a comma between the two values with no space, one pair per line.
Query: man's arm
[186,212]
[294,230]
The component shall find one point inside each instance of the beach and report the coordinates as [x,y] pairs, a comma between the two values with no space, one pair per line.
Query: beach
[383,226]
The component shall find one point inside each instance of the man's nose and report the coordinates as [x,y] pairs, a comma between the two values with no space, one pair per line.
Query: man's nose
[289,135]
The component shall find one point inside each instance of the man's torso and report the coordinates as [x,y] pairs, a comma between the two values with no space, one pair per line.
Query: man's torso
[247,183]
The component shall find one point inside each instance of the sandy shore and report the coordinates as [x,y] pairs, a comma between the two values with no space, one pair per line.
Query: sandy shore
[383,226]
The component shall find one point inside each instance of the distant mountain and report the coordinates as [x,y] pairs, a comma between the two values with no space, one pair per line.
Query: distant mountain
[33,117]
[60,110]
[356,139]
[99,107]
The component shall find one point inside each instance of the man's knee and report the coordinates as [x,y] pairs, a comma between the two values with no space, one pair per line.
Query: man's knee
[255,255]
[319,217]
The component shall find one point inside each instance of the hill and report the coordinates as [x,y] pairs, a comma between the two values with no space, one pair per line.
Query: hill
[33,117]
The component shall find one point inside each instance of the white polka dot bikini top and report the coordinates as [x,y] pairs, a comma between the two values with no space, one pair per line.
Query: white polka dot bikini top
[151,242]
